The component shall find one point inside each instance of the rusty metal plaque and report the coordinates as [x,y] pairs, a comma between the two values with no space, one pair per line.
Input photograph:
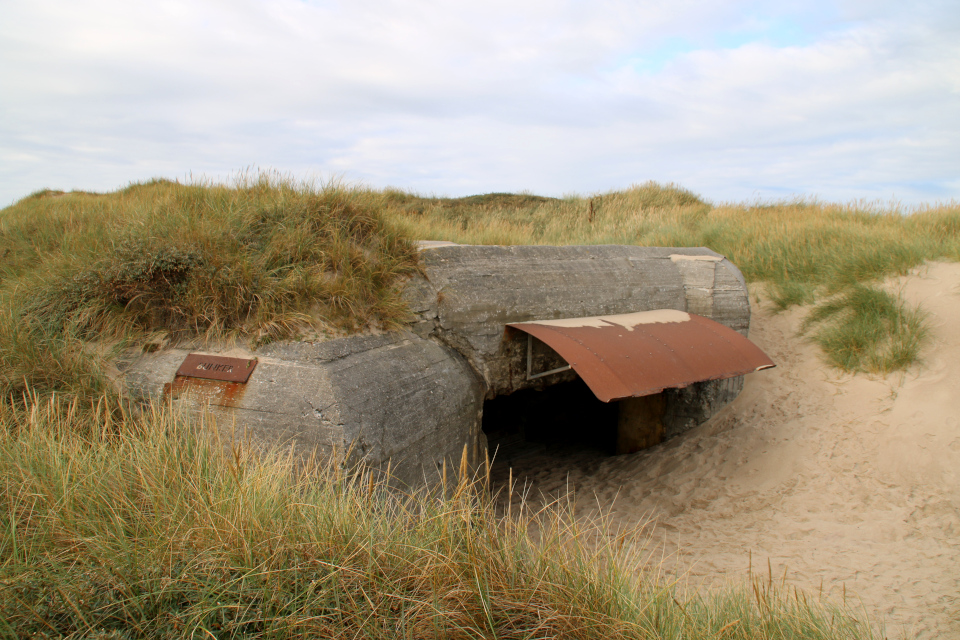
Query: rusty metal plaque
[201,365]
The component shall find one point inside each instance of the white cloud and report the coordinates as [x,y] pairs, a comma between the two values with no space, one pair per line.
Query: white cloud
[457,98]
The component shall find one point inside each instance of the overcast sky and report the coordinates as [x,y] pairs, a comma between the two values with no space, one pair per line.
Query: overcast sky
[737,100]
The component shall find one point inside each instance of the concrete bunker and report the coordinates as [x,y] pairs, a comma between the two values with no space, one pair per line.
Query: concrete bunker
[485,321]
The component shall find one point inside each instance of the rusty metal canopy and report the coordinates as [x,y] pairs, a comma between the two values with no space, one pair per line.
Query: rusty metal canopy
[638,354]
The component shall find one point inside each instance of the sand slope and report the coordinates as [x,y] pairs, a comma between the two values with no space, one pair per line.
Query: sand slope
[848,483]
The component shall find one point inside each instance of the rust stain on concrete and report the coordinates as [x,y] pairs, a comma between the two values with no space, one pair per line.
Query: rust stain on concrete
[219,393]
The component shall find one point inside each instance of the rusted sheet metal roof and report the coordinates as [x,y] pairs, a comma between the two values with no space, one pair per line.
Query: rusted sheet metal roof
[638,354]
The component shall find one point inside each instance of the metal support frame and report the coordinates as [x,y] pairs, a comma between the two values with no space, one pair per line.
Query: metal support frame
[530,374]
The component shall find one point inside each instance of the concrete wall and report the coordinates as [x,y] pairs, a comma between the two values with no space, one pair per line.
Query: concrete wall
[414,398]
[393,397]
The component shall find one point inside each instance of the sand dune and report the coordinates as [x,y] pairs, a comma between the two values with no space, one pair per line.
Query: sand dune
[850,484]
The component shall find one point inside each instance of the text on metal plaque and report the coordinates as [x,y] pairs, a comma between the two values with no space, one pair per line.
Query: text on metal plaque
[201,365]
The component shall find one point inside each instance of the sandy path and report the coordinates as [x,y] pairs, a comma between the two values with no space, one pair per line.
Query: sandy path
[846,482]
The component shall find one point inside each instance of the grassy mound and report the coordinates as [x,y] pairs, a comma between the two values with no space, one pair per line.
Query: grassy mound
[263,260]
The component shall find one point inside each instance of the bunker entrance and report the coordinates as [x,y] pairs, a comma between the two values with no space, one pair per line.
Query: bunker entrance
[627,366]
[564,416]
[568,417]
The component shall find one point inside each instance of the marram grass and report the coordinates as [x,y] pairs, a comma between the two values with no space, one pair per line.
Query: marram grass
[805,251]
[262,260]
[142,525]
[864,328]
[258,258]
[270,258]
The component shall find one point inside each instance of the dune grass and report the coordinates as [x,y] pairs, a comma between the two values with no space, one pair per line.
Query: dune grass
[264,259]
[805,251]
[270,258]
[208,259]
[139,525]
[868,329]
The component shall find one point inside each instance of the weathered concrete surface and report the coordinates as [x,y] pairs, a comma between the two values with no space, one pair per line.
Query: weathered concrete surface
[413,399]
[394,397]
[469,293]
[686,408]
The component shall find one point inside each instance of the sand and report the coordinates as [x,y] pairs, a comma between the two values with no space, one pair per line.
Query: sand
[848,484]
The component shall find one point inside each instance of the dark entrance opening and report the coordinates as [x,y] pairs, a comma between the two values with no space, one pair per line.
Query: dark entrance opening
[561,418]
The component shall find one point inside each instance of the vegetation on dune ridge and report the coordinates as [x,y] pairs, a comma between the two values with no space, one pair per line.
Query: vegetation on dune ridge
[806,251]
[270,258]
[262,260]
[138,526]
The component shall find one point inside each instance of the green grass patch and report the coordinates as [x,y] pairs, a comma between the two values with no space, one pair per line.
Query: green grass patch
[790,293]
[868,329]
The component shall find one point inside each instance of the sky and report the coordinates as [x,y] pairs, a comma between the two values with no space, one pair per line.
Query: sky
[743,101]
